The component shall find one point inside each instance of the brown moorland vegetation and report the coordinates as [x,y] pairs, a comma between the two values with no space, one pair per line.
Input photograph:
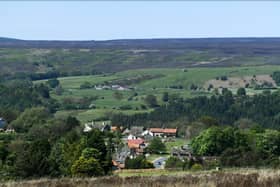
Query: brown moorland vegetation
[240,178]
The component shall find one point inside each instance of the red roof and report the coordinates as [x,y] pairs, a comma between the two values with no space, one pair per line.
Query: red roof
[135,143]
[161,130]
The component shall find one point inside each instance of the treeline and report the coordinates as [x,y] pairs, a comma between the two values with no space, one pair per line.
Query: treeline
[48,147]
[17,95]
[235,147]
[42,76]
[226,108]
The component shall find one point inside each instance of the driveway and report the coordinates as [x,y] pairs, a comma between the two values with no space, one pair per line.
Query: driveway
[159,162]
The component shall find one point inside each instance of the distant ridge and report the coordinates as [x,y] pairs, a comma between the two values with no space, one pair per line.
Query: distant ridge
[141,43]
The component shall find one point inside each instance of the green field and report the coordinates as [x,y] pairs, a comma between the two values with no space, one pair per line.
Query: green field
[164,79]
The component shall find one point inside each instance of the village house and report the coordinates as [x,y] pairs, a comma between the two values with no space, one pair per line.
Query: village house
[136,147]
[163,132]
[104,126]
[137,131]
[10,130]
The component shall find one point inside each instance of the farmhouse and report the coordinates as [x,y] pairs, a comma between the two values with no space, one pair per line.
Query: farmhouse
[136,146]
[163,132]
[136,130]
[104,126]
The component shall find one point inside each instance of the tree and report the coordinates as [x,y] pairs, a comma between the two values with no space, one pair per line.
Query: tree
[72,122]
[174,162]
[156,146]
[32,159]
[85,85]
[210,142]
[241,92]
[29,118]
[53,82]
[139,162]
[209,121]
[224,78]
[3,151]
[267,143]
[86,167]
[118,95]
[276,77]
[165,97]
[193,87]
[151,101]
[214,140]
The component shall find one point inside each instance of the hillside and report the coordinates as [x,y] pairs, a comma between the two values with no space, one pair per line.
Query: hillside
[91,57]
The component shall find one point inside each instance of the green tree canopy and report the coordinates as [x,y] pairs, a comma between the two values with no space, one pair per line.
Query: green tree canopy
[156,146]
[53,82]
[241,92]
[29,118]
[151,101]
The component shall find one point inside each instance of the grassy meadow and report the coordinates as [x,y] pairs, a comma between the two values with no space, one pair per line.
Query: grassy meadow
[161,80]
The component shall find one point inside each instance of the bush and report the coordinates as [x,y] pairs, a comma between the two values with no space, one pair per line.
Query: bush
[125,107]
[174,162]
[196,167]
[86,167]
[53,83]
[85,85]
[139,162]
[151,101]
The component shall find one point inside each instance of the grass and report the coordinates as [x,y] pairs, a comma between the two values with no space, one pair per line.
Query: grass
[154,178]
[157,86]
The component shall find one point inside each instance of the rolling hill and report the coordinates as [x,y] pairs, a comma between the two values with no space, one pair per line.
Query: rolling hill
[91,57]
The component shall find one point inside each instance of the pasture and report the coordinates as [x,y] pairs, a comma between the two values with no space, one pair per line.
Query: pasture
[144,82]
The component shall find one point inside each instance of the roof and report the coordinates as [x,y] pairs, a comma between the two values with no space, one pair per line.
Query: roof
[117,164]
[114,128]
[135,143]
[161,130]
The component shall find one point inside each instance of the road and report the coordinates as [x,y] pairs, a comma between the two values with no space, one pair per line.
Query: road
[159,162]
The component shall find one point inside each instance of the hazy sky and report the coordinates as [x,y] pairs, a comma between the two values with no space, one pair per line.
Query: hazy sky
[95,20]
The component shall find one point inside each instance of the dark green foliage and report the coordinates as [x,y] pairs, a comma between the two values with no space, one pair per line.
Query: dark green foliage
[165,97]
[118,95]
[86,85]
[156,146]
[174,162]
[241,92]
[19,95]
[193,87]
[53,82]
[215,140]
[32,159]
[224,78]
[239,157]
[268,143]
[151,101]
[239,148]
[86,167]
[29,118]
[226,108]
[139,162]
[276,77]
[3,151]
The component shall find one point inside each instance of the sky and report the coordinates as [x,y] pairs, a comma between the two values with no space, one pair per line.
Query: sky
[96,20]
